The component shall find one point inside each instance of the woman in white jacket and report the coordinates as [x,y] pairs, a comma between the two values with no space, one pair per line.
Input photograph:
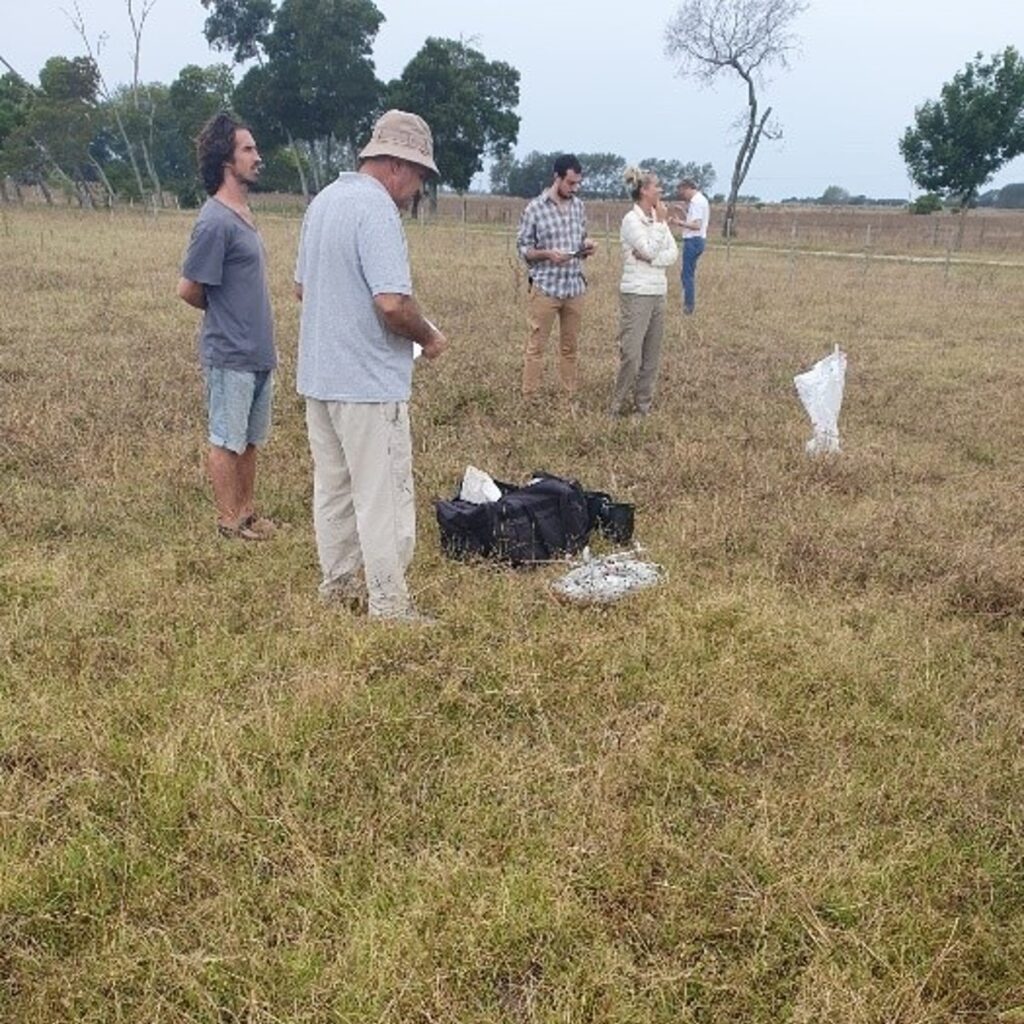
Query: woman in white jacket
[647,249]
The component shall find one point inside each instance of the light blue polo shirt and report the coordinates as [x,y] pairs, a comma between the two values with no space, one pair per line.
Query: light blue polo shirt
[352,248]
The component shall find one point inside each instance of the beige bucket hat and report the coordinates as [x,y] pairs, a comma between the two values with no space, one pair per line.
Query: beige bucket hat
[403,135]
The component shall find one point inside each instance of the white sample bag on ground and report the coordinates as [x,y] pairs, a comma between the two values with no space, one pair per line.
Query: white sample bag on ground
[604,580]
[821,392]
[478,487]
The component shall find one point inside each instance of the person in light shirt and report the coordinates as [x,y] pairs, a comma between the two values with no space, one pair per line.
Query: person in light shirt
[648,248]
[694,223]
[359,327]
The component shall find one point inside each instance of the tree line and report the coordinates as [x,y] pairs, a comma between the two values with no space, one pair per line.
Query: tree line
[309,91]
[310,95]
[602,174]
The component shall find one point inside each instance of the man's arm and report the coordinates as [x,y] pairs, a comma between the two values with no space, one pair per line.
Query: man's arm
[555,256]
[192,292]
[401,314]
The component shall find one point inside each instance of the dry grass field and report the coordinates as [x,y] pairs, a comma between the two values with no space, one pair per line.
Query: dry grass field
[785,785]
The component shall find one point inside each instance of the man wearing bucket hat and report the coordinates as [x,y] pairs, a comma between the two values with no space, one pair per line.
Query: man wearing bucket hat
[359,322]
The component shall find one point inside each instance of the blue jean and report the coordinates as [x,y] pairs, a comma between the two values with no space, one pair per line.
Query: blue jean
[692,248]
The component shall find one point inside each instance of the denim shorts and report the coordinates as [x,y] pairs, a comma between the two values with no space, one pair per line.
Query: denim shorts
[238,405]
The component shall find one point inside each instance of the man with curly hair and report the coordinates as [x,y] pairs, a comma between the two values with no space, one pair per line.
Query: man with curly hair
[224,274]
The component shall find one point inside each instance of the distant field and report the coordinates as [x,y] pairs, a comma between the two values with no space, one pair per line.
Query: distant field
[785,785]
[877,228]
[873,229]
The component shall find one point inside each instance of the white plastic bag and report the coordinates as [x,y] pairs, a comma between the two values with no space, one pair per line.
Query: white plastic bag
[478,487]
[821,392]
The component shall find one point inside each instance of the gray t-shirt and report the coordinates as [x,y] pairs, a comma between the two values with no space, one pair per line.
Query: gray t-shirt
[352,248]
[226,256]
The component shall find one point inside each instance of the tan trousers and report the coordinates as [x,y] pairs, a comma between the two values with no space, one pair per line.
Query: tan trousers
[364,514]
[541,311]
[641,326]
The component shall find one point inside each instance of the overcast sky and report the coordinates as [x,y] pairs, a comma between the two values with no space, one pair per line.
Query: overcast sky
[595,77]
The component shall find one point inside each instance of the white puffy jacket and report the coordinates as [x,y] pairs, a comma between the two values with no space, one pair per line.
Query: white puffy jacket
[651,238]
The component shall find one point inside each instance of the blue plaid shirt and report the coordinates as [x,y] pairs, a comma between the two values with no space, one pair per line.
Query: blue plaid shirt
[546,224]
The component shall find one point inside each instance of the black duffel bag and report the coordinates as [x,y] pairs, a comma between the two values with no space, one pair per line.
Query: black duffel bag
[613,518]
[546,519]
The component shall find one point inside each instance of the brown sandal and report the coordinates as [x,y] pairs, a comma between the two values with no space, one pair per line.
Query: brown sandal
[242,531]
[260,525]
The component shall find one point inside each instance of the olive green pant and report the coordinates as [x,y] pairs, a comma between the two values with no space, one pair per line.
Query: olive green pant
[641,326]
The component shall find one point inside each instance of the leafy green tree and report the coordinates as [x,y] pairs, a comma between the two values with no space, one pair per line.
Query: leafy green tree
[503,166]
[671,172]
[602,175]
[15,100]
[16,97]
[197,94]
[834,195]
[321,53]
[468,101]
[240,26]
[960,140]
[525,178]
[53,137]
[1011,197]
[163,121]
[193,97]
[315,84]
[928,203]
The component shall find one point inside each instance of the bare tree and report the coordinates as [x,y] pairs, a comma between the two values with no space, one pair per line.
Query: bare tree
[748,37]
[78,24]
[137,15]
[138,23]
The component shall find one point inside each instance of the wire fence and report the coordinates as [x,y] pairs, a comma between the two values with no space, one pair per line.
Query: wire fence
[861,229]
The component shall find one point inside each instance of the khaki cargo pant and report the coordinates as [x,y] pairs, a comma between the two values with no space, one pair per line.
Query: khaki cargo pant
[364,514]
[541,310]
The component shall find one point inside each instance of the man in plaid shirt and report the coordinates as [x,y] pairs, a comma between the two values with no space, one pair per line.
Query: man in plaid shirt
[554,242]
